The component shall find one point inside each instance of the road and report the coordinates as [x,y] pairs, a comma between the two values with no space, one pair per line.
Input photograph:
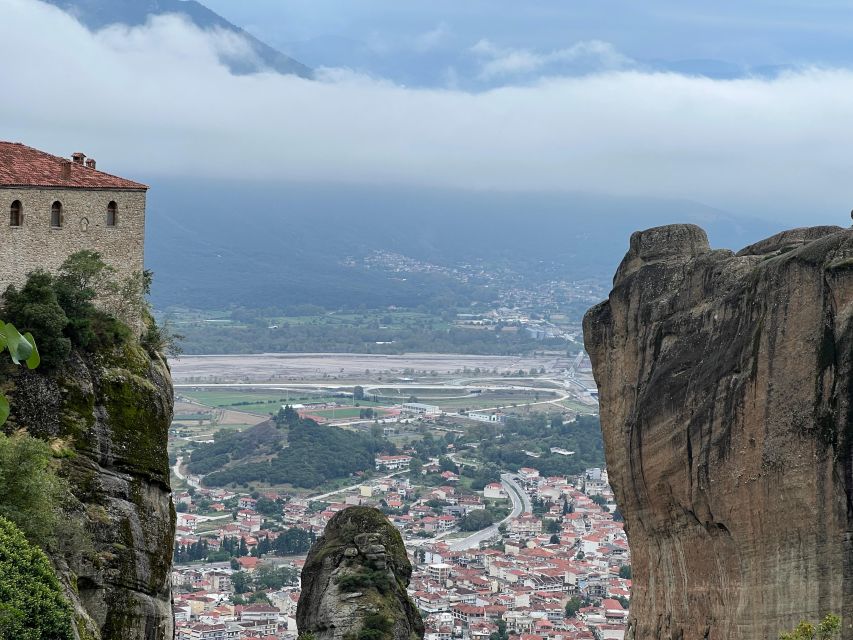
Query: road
[520,504]
[177,469]
[349,488]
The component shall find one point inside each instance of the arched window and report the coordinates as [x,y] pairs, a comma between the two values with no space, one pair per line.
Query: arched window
[112,214]
[56,215]
[16,214]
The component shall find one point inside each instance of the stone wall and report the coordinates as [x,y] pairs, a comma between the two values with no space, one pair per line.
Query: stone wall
[35,244]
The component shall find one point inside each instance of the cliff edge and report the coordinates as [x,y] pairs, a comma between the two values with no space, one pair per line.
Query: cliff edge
[354,582]
[112,410]
[726,398]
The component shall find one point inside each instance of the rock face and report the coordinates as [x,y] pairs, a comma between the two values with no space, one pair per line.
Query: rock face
[113,411]
[726,397]
[354,582]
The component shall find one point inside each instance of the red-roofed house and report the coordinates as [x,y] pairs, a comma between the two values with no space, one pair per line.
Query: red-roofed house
[57,206]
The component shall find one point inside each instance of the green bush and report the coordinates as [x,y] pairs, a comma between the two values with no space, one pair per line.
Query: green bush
[30,491]
[61,309]
[376,627]
[35,308]
[476,520]
[364,579]
[826,630]
[32,606]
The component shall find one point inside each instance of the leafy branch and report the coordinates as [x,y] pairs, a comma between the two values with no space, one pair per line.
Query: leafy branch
[22,349]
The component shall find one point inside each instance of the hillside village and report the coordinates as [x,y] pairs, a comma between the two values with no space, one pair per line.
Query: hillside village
[558,570]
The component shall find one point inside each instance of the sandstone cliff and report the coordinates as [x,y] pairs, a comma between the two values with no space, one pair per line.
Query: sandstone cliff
[727,408]
[354,582]
[113,410]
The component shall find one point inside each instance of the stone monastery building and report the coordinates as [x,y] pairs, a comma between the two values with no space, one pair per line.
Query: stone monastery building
[51,207]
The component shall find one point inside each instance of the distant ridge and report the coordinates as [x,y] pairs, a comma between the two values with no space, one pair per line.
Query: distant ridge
[97,14]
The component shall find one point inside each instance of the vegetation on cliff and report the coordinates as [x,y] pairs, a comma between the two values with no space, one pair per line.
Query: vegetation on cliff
[827,629]
[32,606]
[85,446]
[354,582]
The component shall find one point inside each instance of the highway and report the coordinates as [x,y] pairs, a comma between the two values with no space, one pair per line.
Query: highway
[520,504]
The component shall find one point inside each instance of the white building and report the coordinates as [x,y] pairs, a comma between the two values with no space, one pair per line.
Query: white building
[392,462]
[418,409]
[486,417]
[494,491]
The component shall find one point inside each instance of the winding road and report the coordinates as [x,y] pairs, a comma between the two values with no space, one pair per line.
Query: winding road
[520,504]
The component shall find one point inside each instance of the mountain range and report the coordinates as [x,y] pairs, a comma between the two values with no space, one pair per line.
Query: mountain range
[273,245]
[97,14]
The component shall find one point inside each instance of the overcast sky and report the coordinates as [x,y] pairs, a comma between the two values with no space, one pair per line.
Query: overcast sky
[745,110]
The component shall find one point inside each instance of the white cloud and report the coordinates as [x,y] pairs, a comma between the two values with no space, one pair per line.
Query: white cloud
[432,39]
[590,55]
[157,100]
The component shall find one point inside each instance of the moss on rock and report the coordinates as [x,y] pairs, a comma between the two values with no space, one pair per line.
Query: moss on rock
[355,576]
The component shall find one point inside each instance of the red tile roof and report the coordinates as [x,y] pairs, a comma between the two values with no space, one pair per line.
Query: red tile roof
[23,166]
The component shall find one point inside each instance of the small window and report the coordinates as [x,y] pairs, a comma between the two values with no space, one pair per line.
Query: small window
[56,215]
[112,214]
[16,214]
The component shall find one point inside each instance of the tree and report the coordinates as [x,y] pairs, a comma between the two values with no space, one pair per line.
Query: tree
[259,596]
[581,555]
[416,467]
[552,526]
[267,507]
[293,541]
[476,520]
[32,606]
[826,630]
[358,393]
[446,464]
[241,581]
[573,606]
[30,490]
[555,539]
[501,633]
[35,309]
[625,572]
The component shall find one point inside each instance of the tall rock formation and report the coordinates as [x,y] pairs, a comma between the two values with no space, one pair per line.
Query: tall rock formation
[354,582]
[727,407]
[112,410]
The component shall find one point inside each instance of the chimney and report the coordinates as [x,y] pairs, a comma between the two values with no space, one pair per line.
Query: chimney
[78,157]
[90,163]
[66,169]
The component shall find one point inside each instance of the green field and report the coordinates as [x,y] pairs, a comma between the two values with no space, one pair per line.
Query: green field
[343,412]
[195,417]
[235,399]
[488,400]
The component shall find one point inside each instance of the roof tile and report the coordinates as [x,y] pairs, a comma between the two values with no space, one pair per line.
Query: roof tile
[23,166]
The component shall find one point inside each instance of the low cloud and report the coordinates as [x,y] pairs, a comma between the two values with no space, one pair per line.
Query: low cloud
[587,56]
[158,100]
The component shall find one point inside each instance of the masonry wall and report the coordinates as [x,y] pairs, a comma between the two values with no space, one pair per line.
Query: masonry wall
[36,244]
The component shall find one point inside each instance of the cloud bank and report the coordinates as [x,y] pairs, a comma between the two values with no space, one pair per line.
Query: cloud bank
[158,100]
